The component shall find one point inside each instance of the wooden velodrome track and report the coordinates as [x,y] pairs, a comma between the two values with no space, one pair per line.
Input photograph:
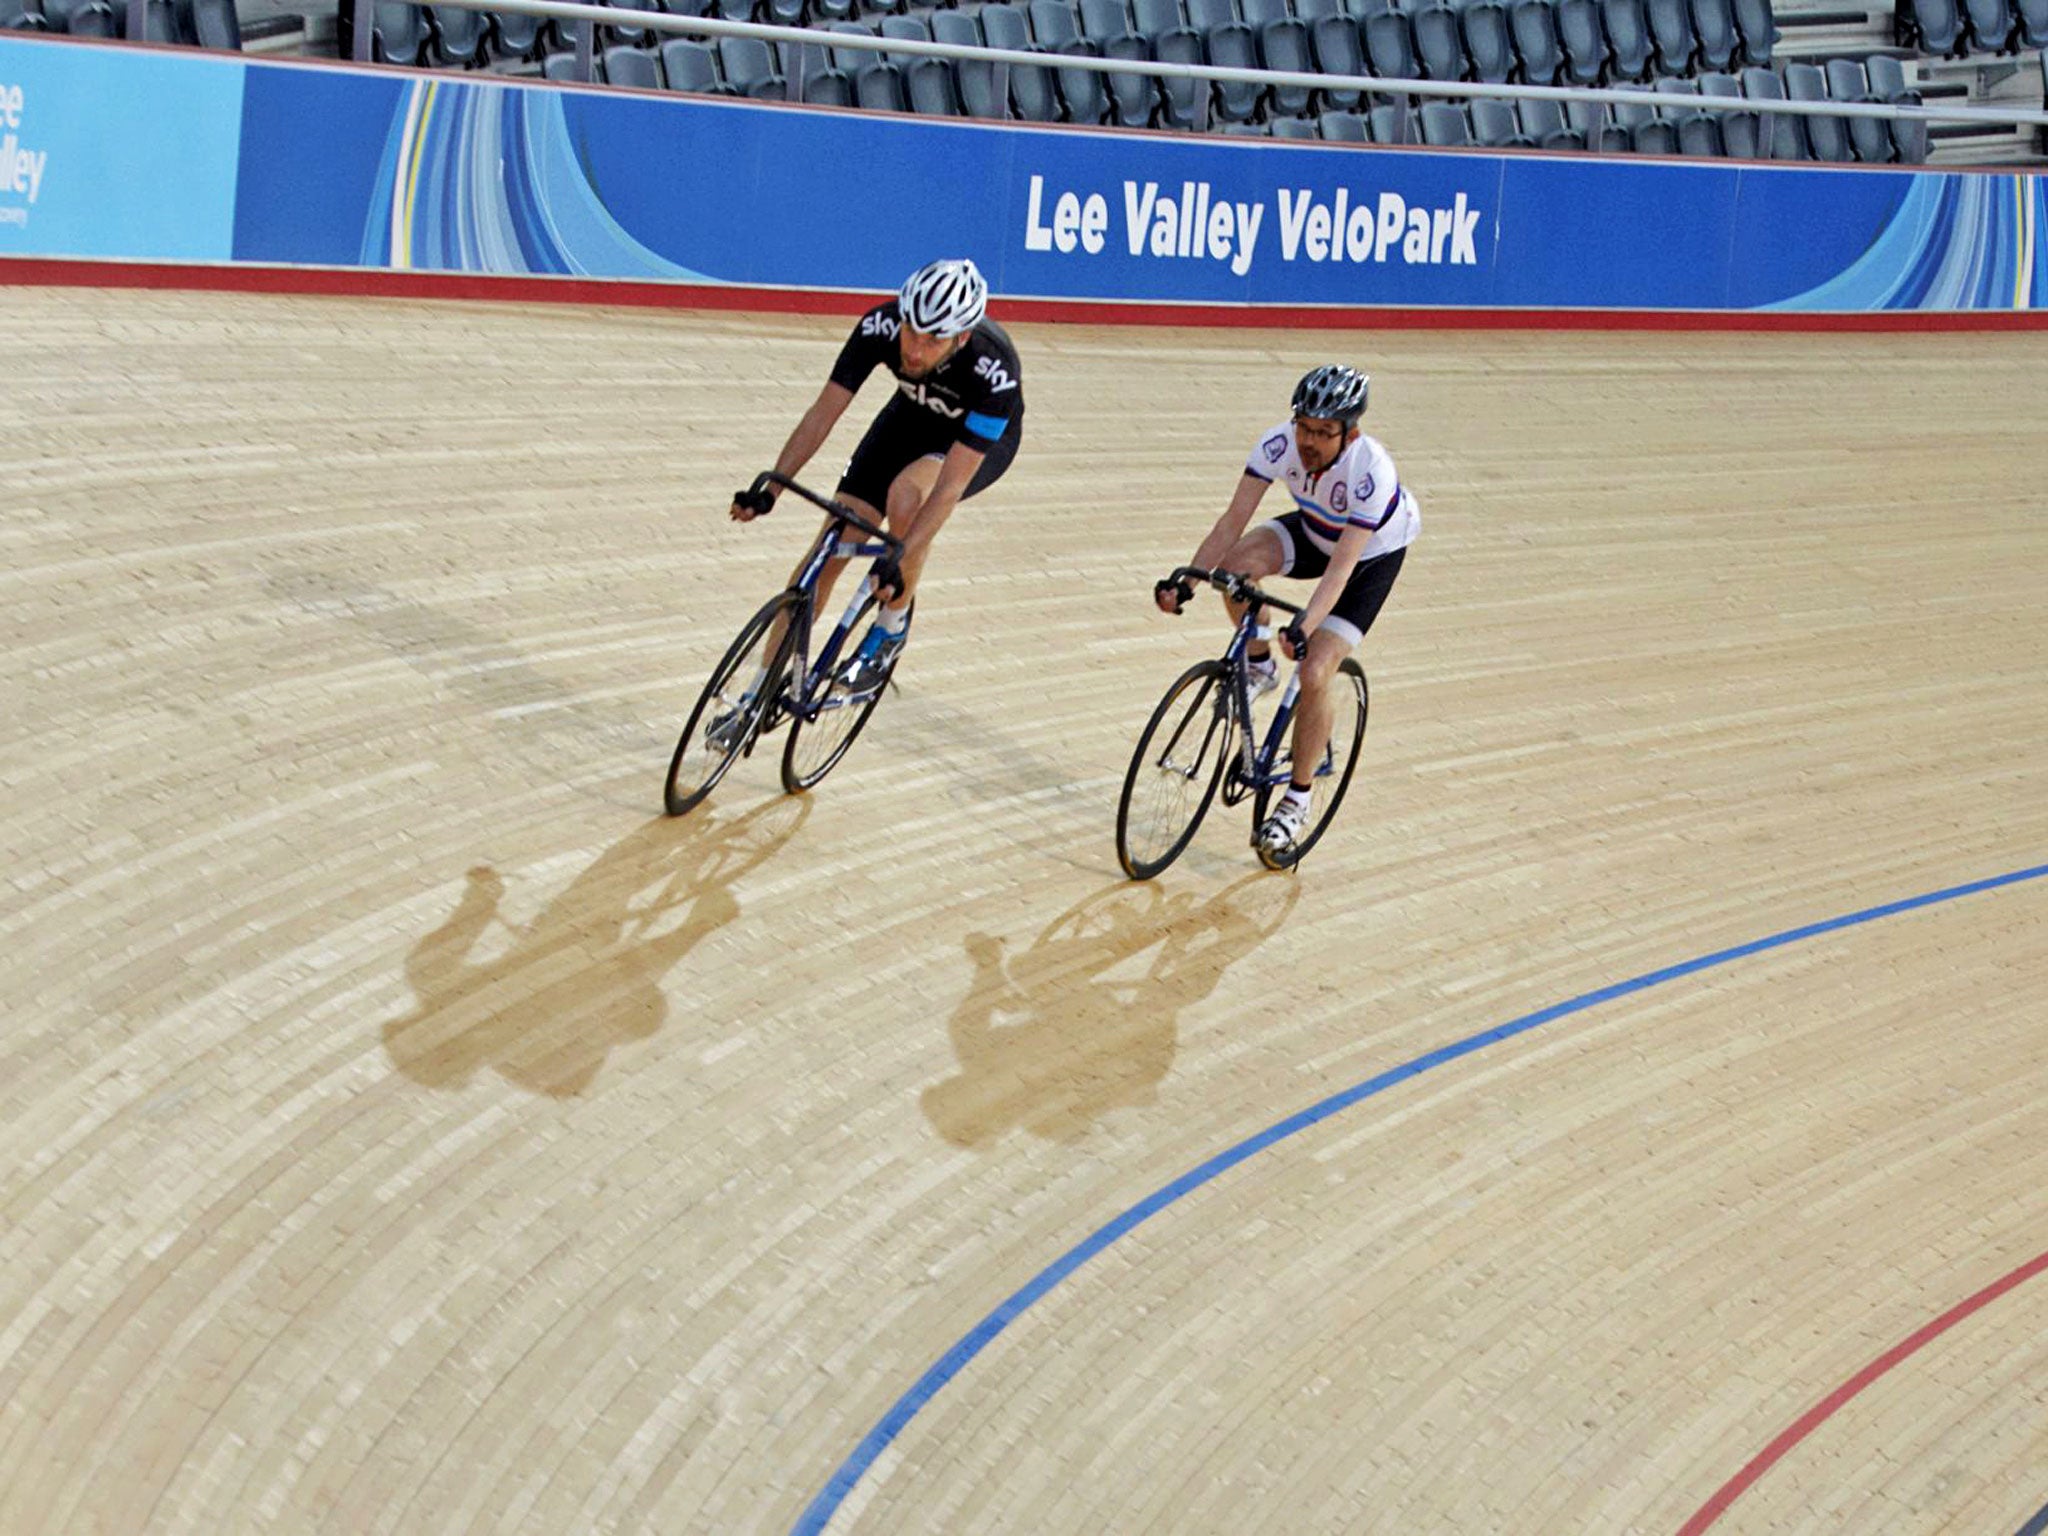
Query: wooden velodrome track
[405,1128]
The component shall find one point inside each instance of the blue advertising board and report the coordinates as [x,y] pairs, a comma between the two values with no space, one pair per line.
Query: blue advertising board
[341,167]
[110,152]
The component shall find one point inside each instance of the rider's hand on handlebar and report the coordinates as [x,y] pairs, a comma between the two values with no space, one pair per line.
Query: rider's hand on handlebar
[1171,595]
[750,504]
[888,578]
[1293,641]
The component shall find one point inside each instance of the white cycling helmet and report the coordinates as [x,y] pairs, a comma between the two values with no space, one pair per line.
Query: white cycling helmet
[946,298]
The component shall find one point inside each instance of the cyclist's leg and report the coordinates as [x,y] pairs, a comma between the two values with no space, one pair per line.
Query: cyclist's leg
[1273,548]
[1335,638]
[912,487]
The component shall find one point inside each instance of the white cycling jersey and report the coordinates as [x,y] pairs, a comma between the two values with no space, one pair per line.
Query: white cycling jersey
[1359,490]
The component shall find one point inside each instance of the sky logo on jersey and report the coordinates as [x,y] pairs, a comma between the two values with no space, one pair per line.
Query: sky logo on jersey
[931,402]
[879,324]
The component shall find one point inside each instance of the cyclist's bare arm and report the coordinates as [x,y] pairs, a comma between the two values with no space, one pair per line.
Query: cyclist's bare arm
[1228,530]
[807,439]
[1231,525]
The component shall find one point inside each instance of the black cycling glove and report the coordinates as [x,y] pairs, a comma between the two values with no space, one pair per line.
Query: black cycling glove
[1183,591]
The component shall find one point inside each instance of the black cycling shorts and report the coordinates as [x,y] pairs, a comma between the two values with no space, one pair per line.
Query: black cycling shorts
[902,434]
[1364,594]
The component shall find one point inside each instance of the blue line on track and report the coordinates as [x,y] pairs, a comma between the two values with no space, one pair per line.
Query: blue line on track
[947,1366]
[2037,1525]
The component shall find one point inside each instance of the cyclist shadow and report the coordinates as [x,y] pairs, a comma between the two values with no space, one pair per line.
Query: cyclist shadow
[584,976]
[1052,1038]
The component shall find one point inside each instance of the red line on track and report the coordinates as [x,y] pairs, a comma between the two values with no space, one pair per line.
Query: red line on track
[1812,1419]
[384,283]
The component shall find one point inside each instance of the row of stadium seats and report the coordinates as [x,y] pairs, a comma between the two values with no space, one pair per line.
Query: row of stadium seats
[195,23]
[939,87]
[1544,42]
[1960,28]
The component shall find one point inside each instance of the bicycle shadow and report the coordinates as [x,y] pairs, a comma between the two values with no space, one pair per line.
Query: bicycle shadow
[1056,1036]
[584,976]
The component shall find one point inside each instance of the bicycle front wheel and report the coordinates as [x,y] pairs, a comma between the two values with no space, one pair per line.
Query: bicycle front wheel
[1333,774]
[817,741]
[729,713]
[1174,773]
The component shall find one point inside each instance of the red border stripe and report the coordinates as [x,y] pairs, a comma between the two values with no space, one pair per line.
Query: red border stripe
[1810,1420]
[385,283]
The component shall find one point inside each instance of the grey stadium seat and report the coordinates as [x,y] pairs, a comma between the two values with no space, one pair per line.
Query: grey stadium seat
[749,68]
[1738,129]
[1787,134]
[1342,127]
[1990,25]
[973,79]
[1826,136]
[1648,132]
[1184,104]
[1888,84]
[1533,26]
[1544,125]
[1759,29]
[459,35]
[1698,130]
[691,66]
[630,66]
[1133,98]
[1713,25]
[1053,23]
[1870,137]
[1583,34]
[1390,47]
[1104,19]
[1445,125]
[1283,45]
[819,81]
[1671,35]
[1439,43]
[1495,125]
[1033,98]
[1234,47]
[1628,37]
[1085,91]
[1488,43]
[1335,43]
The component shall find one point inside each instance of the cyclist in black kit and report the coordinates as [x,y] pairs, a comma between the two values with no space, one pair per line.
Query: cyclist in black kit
[948,432]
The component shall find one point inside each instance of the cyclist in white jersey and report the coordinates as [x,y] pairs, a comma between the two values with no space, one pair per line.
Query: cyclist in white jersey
[1349,531]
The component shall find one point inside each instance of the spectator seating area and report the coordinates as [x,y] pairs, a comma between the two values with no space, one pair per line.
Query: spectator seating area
[195,23]
[1683,50]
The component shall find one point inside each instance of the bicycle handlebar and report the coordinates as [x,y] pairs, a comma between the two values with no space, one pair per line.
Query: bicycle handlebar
[837,510]
[1232,585]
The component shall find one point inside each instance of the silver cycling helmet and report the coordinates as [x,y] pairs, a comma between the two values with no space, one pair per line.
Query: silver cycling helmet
[1332,392]
[945,298]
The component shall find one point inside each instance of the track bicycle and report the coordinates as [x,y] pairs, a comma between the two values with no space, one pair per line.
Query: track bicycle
[753,693]
[1201,741]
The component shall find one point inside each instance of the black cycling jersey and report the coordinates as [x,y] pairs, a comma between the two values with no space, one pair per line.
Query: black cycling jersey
[978,391]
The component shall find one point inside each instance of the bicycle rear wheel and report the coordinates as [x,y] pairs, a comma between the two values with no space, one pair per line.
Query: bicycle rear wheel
[1333,774]
[730,711]
[815,746]
[1174,772]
